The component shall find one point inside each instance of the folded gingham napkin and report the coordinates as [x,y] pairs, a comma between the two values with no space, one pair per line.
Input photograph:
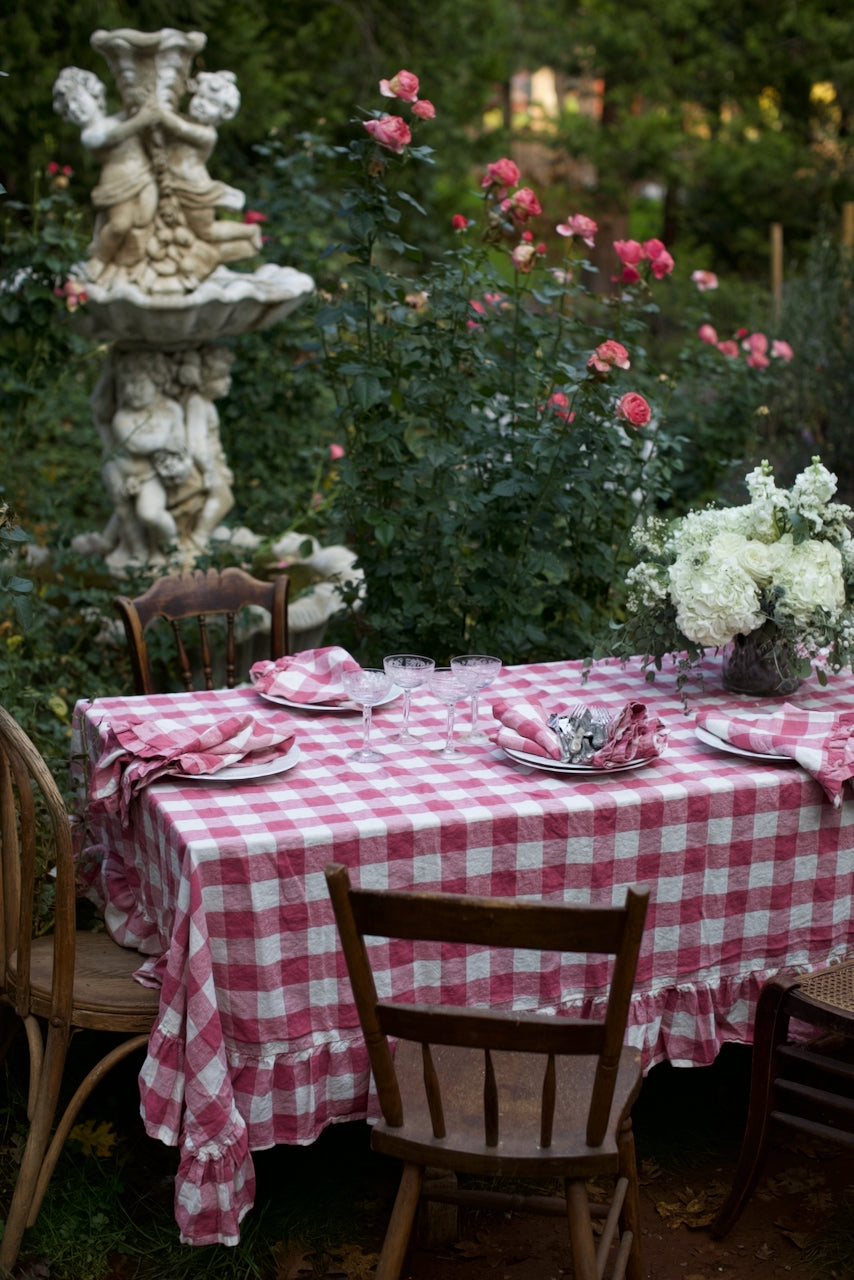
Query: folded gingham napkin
[634,735]
[314,675]
[137,751]
[524,727]
[820,741]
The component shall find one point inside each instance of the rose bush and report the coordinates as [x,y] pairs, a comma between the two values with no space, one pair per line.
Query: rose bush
[503,432]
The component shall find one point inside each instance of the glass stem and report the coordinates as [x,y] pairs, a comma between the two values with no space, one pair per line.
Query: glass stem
[450,733]
[366,725]
[474,711]
[407,695]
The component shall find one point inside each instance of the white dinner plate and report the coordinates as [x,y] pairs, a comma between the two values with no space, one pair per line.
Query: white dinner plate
[558,766]
[347,706]
[712,740]
[245,772]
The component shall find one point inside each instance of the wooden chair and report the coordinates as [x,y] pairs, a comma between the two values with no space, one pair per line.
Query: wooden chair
[69,979]
[503,1094]
[200,594]
[808,1086]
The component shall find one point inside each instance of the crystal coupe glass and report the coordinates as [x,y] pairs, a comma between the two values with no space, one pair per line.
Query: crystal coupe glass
[446,685]
[367,686]
[408,670]
[476,670]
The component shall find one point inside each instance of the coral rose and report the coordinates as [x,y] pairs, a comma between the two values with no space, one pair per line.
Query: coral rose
[704,280]
[662,265]
[404,86]
[559,405]
[630,252]
[634,409]
[424,109]
[577,224]
[781,350]
[608,355]
[501,173]
[391,132]
[728,348]
[708,333]
[459,222]
[522,205]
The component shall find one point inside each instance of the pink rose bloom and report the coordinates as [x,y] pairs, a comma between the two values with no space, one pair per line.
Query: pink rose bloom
[336,451]
[758,360]
[704,280]
[781,350]
[502,173]
[630,252]
[459,222]
[477,305]
[404,86]
[254,215]
[496,299]
[579,225]
[662,265]
[630,274]
[524,256]
[561,275]
[559,405]
[653,249]
[708,333]
[728,348]
[391,132]
[608,355]
[634,409]
[424,109]
[756,344]
[522,205]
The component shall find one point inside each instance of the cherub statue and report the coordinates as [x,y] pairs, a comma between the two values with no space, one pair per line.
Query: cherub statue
[187,191]
[150,455]
[126,196]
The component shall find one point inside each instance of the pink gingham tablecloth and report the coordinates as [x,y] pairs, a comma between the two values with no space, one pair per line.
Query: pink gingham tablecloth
[257,1043]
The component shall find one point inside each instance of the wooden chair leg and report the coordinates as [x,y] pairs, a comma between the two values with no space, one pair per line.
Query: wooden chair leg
[92,1079]
[630,1219]
[37,1143]
[400,1227]
[580,1230]
[770,1029]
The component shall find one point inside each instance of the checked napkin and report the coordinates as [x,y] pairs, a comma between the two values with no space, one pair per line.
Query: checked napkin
[314,675]
[634,735]
[524,727]
[137,751]
[820,741]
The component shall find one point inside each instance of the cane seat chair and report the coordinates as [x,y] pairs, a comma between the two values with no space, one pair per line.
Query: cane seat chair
[201,595]
[56,984]
[502,1094]
[804,1085]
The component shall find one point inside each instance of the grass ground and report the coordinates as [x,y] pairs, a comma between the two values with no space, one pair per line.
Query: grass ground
[321,1211]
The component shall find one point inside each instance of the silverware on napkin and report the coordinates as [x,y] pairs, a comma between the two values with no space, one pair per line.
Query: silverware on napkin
[581,732]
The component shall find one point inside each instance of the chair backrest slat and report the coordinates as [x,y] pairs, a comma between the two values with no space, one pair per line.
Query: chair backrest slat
[35,834]
[492,923]
[433,1092]
[539,1033]
[201,594]
[547,1110]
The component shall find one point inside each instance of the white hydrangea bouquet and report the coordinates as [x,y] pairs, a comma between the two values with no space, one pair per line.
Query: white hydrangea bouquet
[779,569]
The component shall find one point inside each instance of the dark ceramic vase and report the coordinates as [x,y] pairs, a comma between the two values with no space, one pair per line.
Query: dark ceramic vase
[760,665]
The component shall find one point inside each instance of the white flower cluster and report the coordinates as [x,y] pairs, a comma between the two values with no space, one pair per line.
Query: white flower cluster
[783,556]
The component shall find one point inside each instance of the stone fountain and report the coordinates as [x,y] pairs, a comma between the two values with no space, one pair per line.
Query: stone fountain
[160,291]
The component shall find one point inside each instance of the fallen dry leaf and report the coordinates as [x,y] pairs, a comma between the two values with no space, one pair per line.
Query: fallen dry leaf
[292,1261]
[649,1170]
[792,1182]
[800,1239]
[764,1252]
[353,1263]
